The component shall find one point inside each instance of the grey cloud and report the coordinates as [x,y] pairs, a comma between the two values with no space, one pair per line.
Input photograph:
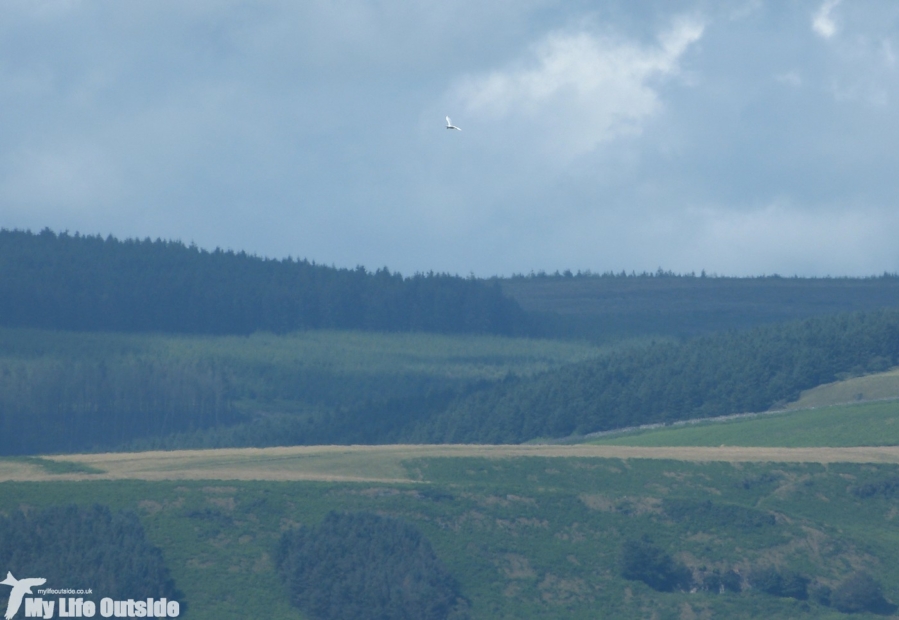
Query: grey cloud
[316,129]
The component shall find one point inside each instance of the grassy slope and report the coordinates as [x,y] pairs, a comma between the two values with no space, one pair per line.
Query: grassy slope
[879,386]
[866,424]
[527,537]
[823,416]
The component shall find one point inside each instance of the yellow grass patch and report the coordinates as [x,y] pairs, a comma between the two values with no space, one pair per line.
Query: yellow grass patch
[384,464]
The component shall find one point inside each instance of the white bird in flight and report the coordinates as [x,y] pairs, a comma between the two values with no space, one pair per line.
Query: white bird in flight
[20,587]
[449,124]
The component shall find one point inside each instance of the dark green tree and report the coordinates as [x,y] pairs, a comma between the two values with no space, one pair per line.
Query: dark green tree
[361,565]
[858,593]
[640,560]
[85,547]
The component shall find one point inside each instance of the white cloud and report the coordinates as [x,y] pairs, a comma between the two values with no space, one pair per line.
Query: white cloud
[822,21]
[578,89]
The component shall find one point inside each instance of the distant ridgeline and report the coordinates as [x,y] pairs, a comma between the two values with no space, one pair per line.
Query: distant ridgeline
[89,283]
[609,305]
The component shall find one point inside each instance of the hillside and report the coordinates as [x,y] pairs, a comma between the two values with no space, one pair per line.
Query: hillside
[89,283]
[874,386]
[714,375]
[523,537]
[610,306]
[75,391]
[71,391]
[865,424]
[84,283]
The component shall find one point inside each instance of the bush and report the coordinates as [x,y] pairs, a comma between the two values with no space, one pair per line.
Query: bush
[820,593]
[642,561]
[361,565]
[788,584]
[717,582]
[860,592]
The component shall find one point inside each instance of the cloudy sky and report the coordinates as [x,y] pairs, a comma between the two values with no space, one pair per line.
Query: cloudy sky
[742,138]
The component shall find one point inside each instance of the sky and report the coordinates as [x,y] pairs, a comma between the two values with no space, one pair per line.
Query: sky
[750,137]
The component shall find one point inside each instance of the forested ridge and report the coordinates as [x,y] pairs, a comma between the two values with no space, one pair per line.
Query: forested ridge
[615,305]
[75,282]
[87,388]
[713,375]
[78,391]
[147,392]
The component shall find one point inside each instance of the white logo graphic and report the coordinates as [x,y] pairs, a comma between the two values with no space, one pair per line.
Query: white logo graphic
[19,588]
[71,607]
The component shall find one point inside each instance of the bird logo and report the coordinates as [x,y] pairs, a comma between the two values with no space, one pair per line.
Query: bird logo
[20,587]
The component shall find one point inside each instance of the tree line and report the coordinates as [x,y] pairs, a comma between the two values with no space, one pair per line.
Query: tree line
[714,375]
[57,405]
[75,282]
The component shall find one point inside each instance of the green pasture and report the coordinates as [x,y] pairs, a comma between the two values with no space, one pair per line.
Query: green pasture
[863,424]
[876,386]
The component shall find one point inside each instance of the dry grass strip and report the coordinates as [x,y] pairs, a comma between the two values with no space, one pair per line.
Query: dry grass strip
[385,463]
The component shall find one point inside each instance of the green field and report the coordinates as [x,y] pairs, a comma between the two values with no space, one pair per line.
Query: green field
[529,537]
[876,386]
[864,424]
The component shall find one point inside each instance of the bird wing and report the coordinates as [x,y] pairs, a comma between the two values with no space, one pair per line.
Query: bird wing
[15,600]
[449,123]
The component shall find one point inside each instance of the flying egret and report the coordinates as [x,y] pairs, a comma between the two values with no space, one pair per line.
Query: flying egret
[20,587]
[449,124]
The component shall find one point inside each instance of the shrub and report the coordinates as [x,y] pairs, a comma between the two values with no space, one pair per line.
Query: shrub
[788,584]
[642,561]
[860,592]
[718,582]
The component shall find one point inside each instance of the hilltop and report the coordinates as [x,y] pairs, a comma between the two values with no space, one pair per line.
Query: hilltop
[613,306]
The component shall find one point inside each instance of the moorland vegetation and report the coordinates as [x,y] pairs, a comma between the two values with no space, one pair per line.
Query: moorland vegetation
[534,538]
